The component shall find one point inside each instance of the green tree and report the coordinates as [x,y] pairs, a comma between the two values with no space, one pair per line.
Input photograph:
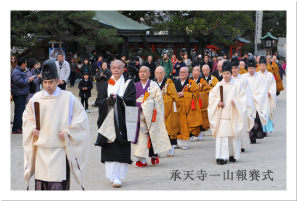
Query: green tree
[32,29]
[206,26]
[275,23]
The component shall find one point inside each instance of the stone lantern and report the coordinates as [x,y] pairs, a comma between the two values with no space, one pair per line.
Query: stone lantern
[267,41]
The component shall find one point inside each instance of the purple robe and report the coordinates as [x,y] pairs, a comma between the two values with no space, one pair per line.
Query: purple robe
[139,91]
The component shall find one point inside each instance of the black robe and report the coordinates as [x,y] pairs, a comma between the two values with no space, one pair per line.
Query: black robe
[120,149]
[207,78]
[178,85]
[217,75]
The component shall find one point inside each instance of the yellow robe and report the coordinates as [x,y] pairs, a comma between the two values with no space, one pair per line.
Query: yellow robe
[274,69]
[242,71]
[204,90]
[214,81]
[171,117]
[258,68]
[190,119]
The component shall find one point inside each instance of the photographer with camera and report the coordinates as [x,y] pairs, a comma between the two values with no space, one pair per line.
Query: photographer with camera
[133,69]
[196,59]
[32,71]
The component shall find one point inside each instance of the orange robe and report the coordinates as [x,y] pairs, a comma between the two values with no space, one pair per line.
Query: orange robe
[214,81]
[190,118]
[171,115]
[204,90]
[274,69]
[242,71]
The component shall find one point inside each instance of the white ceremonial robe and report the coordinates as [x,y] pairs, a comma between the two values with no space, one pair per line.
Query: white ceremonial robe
[229,121]
[271,88]
[156,130]
[260,96]
[45,155]
[251,112]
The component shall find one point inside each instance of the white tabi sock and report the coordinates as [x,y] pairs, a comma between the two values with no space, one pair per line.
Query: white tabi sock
[171,151]
[200,135]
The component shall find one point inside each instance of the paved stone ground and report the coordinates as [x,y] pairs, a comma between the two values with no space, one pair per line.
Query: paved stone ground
[267,154]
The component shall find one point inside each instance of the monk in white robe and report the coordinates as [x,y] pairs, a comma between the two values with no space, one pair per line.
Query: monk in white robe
[251,112]
[61,146]
[271,89]
[260,97]
[227,118]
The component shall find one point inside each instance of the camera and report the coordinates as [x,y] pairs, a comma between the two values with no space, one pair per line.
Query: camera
[132,69]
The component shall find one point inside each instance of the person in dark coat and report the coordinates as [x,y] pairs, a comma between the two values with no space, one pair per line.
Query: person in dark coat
[152,66]
[207,61]
[218,73]
[32,71]
[86,68]
[73,71]
[96,65]
[85,86]
[19,91]
[178,65]
[102,75]
[116,94]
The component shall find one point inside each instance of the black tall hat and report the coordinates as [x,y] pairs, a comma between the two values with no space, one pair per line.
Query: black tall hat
[227,66]
[31,62]
[49,70]
[262,60]
[235,61]
[251,61]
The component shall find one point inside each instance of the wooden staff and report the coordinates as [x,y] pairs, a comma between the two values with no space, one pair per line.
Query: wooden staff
[37,115]
[221,93]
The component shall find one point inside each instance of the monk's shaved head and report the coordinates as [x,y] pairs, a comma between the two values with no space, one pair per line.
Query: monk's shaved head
[160,68]
[144,67]
[160,73]
[184,69]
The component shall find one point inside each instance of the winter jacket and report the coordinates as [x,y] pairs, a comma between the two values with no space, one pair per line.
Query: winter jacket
[85,68]
[87,84]
[101,79]
[152,66]
[73,67]
[64,72]
[19,82]
[96,65]
[177,69]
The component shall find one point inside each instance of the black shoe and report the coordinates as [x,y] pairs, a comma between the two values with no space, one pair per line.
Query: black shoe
[232,159]
[253,141]
[221,161]
[94,105]
[242,150]
[11,122]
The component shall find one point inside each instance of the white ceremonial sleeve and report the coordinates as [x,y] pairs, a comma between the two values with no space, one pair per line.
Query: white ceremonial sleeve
[29,124]
[239,113]
[214,111]
[272,98]
[251,112]
[77,141]
[260,100]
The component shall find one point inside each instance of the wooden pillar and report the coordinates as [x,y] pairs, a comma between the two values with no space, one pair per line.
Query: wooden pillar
[175,49]
[53,45]
[60,44]
[196,48]
[153,48]
[230,51]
